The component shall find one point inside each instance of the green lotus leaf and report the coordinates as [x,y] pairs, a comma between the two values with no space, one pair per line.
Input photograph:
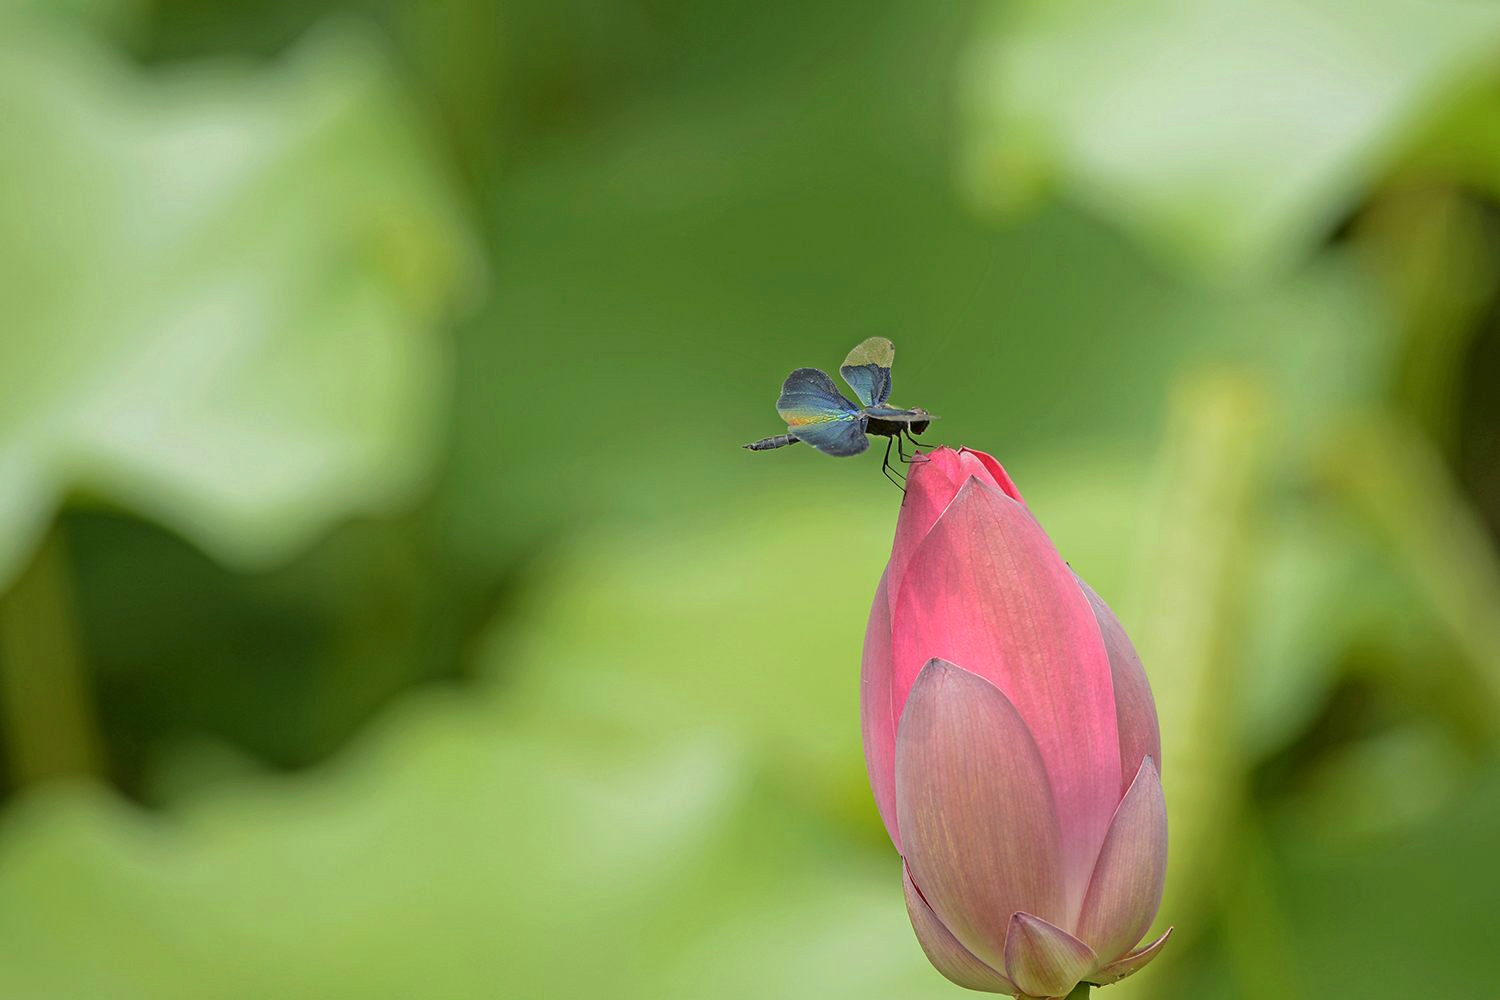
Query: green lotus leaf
[224,288]
[1230,134]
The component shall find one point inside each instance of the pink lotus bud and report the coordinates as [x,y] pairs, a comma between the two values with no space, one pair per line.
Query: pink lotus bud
[1012,744]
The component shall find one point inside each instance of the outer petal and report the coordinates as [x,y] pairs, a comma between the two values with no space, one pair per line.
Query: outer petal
[943,950]
[929,491]
[932,483]
[997,472]
[1135,709]
[1044,960]
[975,809]
[1126,888]
[1130,964]
[986,589]
[877,720]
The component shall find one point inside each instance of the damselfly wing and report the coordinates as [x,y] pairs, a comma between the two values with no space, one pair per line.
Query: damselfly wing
[867,370]
[817,413]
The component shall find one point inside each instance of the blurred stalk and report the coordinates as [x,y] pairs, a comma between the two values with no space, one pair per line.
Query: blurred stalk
[1435,251]
[1080,992]
[50,729]
[1396,479]
[1193,573]
[1255,928]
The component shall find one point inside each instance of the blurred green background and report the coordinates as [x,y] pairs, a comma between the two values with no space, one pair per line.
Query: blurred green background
[388,610]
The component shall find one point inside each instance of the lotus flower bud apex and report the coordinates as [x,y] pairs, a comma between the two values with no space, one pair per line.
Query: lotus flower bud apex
[1012,744]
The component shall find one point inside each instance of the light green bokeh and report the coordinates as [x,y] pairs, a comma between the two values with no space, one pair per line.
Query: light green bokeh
[1231,134]
[223,291]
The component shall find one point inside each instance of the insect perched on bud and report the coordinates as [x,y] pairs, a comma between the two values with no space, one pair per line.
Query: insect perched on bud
[816,412]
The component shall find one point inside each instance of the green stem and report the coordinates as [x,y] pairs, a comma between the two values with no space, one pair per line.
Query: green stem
[1397,479]
[47,712]
[1080,992]
[1251,916]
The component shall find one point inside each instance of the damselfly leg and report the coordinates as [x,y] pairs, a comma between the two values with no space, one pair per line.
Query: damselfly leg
[890,473]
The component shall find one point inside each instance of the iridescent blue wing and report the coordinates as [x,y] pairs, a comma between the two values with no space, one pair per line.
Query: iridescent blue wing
[818,414]
[867,369]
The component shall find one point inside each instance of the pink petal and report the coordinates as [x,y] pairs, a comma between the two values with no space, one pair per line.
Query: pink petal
[1135,709]
[877,720]
[975,810]
[996,471]
[1126,888]
[1044,960]
[1130,964]
[987,590]
[949,957]
[932,483]
[929,490]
